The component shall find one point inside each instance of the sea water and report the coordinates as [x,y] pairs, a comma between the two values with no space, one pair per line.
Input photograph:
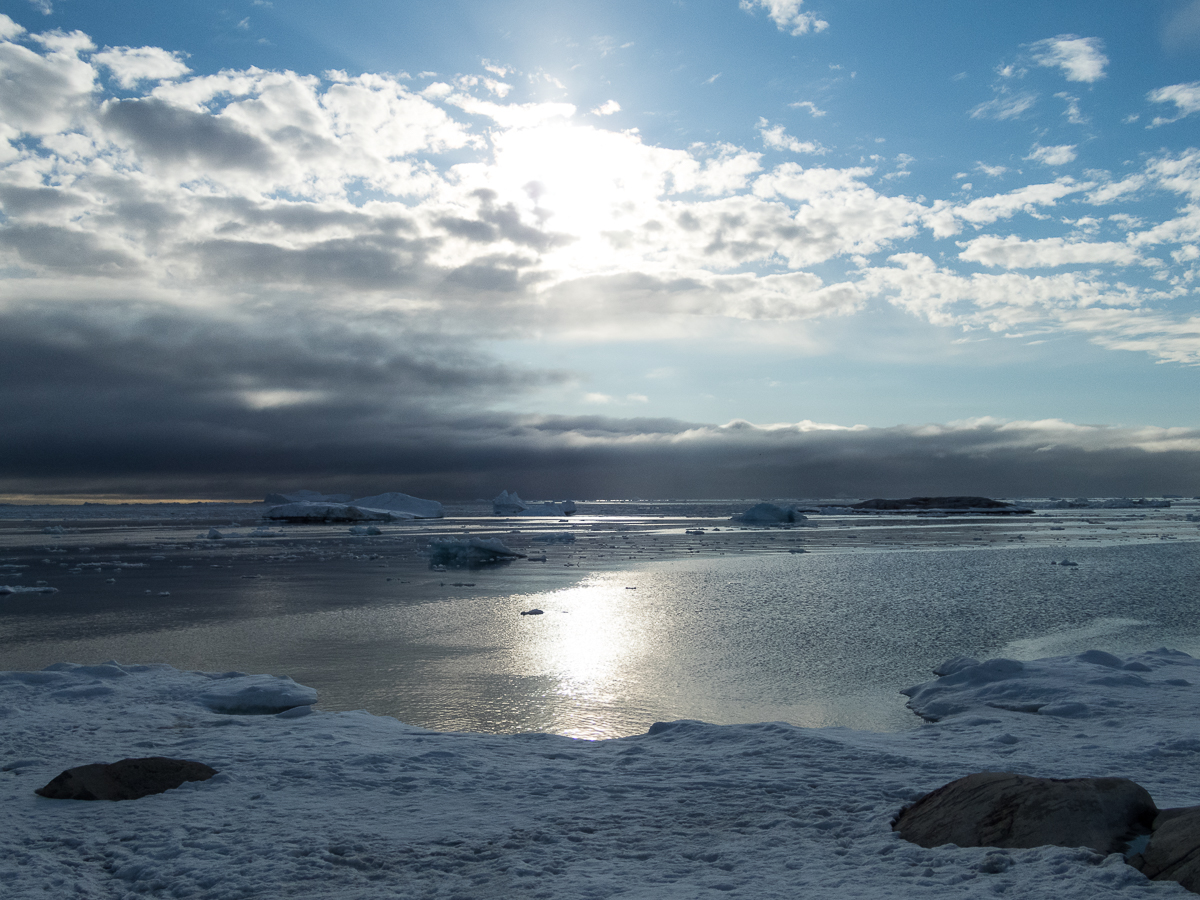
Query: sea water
[640,621]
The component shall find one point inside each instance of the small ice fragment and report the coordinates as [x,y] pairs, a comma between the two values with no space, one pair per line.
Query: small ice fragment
[365,530]
[21,589]
[1067,562]
[214,535]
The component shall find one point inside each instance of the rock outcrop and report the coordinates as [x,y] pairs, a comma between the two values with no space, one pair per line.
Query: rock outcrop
[128,779]
[1173,853]
[1003,809]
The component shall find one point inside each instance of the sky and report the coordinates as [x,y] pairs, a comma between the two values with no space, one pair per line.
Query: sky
[665,249]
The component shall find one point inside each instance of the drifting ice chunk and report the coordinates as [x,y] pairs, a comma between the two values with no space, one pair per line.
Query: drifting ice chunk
[365,530]
[403,503]
[770,514]
[256,694]
[21,589]
[471,552]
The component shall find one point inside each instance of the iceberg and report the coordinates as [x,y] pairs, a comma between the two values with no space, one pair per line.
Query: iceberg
[770,514]
[414,507]
[509,504]
[471,552]
[305,497]
[320,511]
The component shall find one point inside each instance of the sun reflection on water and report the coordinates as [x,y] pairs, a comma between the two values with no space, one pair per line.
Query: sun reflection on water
[590,639]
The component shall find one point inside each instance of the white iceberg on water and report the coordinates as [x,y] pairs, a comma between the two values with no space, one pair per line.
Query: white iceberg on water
[509,504]
[389,507]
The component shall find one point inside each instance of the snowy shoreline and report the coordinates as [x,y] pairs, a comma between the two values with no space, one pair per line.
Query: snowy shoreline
[346,804]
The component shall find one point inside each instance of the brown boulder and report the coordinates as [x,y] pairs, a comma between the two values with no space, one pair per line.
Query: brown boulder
[127,779]
[1173,853]
[1003,809]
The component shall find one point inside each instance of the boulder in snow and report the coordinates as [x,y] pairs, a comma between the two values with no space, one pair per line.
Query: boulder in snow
[1003,809]
[127,779]
[1173,853]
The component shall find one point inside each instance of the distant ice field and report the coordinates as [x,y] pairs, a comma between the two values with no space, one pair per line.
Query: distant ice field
[644,619]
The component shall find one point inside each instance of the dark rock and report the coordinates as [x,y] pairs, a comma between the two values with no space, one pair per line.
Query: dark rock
[533,612]
[1173,853]
[974,504]
[128,779]
[1003,809]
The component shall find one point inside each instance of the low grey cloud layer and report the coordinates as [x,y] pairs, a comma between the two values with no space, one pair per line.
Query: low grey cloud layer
[218,281]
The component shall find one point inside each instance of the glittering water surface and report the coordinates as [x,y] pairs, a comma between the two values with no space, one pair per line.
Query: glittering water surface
[641,621]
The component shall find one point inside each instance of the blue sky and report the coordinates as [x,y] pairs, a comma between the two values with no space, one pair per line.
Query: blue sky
[609,224]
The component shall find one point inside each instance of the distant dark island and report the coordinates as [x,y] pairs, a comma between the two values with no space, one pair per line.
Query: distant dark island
[983,505]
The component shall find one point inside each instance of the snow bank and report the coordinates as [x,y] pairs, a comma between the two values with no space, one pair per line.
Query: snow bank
[321,804]
[394,502]
[1091,685]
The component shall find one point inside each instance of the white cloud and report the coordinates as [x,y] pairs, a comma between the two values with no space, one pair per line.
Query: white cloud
[1081,59]
[711,79]
[777,139]
[1073,112]
[129,65]
[607,108]
[276,188]
[787,16]
[45,7]
[1186,98]
[1058,155]
[9,29]
[1006,106]
[1013,252]
[810,106]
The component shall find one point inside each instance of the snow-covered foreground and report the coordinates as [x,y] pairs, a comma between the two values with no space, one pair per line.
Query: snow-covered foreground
[323,804]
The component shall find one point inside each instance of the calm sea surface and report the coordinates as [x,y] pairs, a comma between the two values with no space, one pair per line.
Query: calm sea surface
[641,621]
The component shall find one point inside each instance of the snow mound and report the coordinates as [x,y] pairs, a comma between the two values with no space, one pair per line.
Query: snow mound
[395,502]
[1094,684]
[471,552]
[256,694]
[770,514]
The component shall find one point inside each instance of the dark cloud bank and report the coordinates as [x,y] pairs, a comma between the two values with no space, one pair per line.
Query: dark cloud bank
[146,401]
